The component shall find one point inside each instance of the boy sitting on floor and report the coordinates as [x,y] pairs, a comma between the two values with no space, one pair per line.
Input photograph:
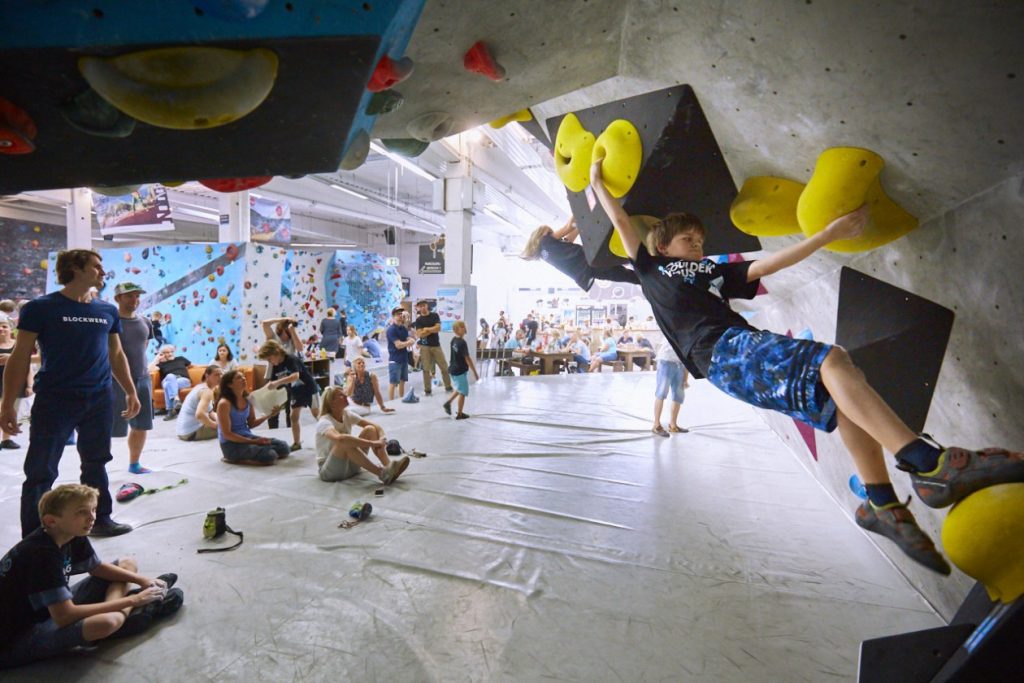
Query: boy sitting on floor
[813,382]
[42,616]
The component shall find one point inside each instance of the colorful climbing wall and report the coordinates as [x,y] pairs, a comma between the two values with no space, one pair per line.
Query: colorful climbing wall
[365,287]
[24,259]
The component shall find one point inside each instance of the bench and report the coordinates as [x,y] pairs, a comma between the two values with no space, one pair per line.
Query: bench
[617,365]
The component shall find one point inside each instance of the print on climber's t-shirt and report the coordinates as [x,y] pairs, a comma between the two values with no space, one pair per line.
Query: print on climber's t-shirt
[701,274]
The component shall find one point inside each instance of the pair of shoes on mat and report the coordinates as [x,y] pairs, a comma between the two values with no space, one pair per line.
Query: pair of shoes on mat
[896,522]
[394,470]
[961,472]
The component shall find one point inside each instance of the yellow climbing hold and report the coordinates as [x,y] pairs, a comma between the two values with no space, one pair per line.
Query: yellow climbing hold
[620,147]
[173,183]
[766,206]
[574,145]
[843,179]
[642,224]
[984,535]
[184,88]
[521,115]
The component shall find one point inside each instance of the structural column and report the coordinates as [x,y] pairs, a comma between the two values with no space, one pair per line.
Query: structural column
[458,243]
[234,217]
[79,218]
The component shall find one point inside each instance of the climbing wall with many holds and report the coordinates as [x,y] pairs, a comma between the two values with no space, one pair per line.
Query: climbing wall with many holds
[364,286]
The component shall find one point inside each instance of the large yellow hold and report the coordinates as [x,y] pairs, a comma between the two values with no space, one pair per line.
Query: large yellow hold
[766,206]
[502,121]
[843,179]
[184,88]
[574,145]
[984,536]
[620,147]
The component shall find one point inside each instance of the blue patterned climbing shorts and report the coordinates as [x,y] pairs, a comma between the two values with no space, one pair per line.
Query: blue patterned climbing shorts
[775,372]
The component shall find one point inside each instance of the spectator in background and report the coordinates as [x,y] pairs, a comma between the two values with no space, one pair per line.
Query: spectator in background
[580,350]
[6,348]
[372,346]
[398,352]
[531,328]
[236,418]
[225,360]
[516,342]
[428,325]
[282,330]
[362,387]
[173,378]
[343,326]
[484,334]
[197,420]
[9,310]
[288,370]
[608,352]
[353,347]
[331,332]
[136,331]
[643,342]
[157,321]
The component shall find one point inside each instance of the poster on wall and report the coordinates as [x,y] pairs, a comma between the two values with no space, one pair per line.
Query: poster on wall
[432,257]
[407,287]
[451,306]
[147,208]
[270,222]
[26,256]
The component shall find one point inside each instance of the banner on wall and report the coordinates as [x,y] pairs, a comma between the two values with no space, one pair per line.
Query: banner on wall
[432,259]
[451,306]
[145,209]
[269,221]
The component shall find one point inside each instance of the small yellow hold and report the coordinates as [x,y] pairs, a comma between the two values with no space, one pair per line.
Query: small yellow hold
[766,206]
[173,183]
[642,224]
[622,150]
[521,115]
[574,146]
[44,264]
[843,179]
[984,536]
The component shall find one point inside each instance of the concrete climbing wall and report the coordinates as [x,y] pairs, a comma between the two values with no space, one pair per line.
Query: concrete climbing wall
[965,260]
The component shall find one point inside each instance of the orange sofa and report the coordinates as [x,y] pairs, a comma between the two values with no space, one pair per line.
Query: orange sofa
[195,373]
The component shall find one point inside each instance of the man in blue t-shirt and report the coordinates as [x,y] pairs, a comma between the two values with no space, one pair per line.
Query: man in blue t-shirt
[80,347]
[398,352]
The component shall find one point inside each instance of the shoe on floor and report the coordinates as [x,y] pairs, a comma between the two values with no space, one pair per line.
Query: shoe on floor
[170,416]
[462,416]
[10,444]
[295,446]
[675,429]
[659,431]
[896,522]
[447,408]
[962,472]
[394,469]
[108,527]
[137,468]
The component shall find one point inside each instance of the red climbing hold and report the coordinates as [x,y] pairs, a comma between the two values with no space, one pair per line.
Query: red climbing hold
[235,184]
[17,129]
[389,73]
[479,60]
[232,253]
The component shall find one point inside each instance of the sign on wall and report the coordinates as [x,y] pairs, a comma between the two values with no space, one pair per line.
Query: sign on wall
[270,221]
[451,306]
[146,208]
[431,259]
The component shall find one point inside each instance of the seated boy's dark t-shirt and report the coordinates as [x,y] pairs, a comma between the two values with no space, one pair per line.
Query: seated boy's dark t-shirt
[291,364]
[457,365]
[34,574]
[690,302]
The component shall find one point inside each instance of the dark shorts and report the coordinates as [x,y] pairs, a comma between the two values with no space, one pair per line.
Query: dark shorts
[301,396]
[775,372]
[144,420]
[398,372]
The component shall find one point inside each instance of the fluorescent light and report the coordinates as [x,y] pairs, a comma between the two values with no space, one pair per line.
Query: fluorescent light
[348,191]
[403,162]
[338,245]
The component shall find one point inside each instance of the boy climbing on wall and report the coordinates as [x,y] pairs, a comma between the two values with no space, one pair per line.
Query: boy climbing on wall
[808,380]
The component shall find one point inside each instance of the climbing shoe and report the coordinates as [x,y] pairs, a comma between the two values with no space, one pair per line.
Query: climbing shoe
[961,472]
[897,523]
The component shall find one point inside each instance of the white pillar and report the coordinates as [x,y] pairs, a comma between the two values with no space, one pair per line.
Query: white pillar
[234,217]
[458,242]
[79,219]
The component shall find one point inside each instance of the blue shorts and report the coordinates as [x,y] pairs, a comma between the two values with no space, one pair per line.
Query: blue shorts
[775,372]
[143,422]
[609,355]
[461,383]
[670,378]
[398,372]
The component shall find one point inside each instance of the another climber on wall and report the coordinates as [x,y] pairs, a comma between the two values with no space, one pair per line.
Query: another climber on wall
[813,382]
[560,250]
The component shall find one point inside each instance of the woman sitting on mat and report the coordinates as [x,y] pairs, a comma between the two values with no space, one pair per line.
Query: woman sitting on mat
[363,388]
[236,419]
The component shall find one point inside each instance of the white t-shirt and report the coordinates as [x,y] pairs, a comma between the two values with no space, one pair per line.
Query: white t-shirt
[666,354]
[353,348]
[325,423]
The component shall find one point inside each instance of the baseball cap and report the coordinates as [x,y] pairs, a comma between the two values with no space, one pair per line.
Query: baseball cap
[128,288]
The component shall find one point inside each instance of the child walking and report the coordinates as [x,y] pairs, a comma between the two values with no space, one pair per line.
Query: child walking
[458,369]
[811,381]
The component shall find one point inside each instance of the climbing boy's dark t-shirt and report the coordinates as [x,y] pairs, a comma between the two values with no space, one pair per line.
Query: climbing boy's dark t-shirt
[457,365]
[34,575]
[428,320]
[690,301]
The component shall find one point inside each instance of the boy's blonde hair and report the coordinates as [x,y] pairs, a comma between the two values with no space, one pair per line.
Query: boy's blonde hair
[458,325]
[270,348]
[671,225]
[532,250]
[58,500]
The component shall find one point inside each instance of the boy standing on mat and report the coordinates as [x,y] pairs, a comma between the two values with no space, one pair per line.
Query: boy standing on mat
[811,381]
[43,616]
[459,367]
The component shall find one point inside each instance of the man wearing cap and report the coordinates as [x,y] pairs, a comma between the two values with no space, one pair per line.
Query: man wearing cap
[136,331]
[427,325]
[398,352]
[80,349]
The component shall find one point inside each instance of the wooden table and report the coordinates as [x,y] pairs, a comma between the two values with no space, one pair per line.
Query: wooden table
[549,358]
[630,354]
